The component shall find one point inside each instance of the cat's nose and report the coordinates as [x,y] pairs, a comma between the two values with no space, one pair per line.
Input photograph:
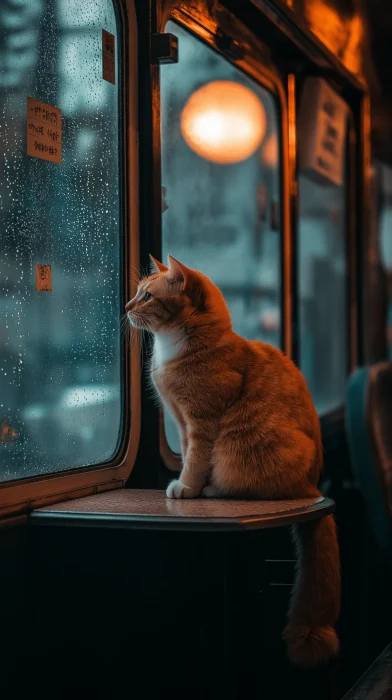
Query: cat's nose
[129,305]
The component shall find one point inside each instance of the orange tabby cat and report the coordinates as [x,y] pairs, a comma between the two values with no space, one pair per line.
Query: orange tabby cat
[248,429]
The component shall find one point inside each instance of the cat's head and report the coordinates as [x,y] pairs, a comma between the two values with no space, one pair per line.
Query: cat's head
[175,297]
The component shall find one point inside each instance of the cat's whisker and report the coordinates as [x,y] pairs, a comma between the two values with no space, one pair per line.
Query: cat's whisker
[146,344]
[143,272]
[135,271]
[124,322]
[124,326]
[145,322]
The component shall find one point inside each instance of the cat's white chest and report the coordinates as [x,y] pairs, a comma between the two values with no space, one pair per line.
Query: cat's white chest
[166,347]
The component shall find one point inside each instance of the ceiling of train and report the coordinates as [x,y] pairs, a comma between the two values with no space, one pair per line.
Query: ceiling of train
[359,33]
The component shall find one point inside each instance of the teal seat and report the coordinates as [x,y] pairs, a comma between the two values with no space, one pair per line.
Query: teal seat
[369,432]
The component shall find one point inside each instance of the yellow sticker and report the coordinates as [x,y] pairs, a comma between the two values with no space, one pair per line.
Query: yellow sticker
[108,57]
[43,278]
[43,131]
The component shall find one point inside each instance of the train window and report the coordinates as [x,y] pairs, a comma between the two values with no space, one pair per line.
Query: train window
[322,286]
[323,292]
[60,298]
[220,171]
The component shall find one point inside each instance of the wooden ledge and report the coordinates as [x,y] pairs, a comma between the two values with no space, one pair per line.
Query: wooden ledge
[148,509]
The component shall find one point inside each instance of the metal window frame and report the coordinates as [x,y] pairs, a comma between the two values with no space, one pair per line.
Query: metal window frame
[21,496]
[357,217]
[349,233]
[270,80]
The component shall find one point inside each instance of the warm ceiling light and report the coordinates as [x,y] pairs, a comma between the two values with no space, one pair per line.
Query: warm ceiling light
[223,122]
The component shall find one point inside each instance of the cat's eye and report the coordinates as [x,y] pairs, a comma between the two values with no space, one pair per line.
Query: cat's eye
[147,296]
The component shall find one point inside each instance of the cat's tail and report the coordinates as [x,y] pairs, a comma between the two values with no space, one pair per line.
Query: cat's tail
[315,604]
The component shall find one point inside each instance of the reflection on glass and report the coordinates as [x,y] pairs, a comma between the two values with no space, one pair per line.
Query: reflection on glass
[220,170]
[323,291]
[60,402]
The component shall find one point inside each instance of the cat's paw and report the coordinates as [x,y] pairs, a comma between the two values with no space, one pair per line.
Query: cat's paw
[177,489]
[210,491]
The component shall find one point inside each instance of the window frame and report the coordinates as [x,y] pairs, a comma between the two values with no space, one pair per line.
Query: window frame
[332,417]
[358,170]
[253,67]
[21,496]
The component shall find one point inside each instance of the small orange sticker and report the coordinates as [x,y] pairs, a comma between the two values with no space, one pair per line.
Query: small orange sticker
[108,57]
[43,278]
[44,138]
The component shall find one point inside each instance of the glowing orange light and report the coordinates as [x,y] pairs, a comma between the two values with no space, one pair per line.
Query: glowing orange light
[223,122]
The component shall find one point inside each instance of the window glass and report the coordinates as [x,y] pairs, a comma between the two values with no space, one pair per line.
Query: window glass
[221,178]
[323,319]
[60,364]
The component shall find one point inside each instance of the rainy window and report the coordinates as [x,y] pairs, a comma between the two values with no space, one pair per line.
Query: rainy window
[60,298]
[221,185]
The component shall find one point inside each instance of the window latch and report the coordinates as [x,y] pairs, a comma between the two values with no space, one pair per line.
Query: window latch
[164,48]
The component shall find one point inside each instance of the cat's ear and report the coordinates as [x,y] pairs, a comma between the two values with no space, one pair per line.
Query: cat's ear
[188,280]
[178,272]
[157,266]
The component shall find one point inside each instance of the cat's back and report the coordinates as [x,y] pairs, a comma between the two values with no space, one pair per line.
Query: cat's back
[275,365]
[278,384]
[273,414]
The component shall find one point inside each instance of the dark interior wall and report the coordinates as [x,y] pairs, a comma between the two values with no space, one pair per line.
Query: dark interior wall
[113,613]
[13,569]
[140,614]
[135,614]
